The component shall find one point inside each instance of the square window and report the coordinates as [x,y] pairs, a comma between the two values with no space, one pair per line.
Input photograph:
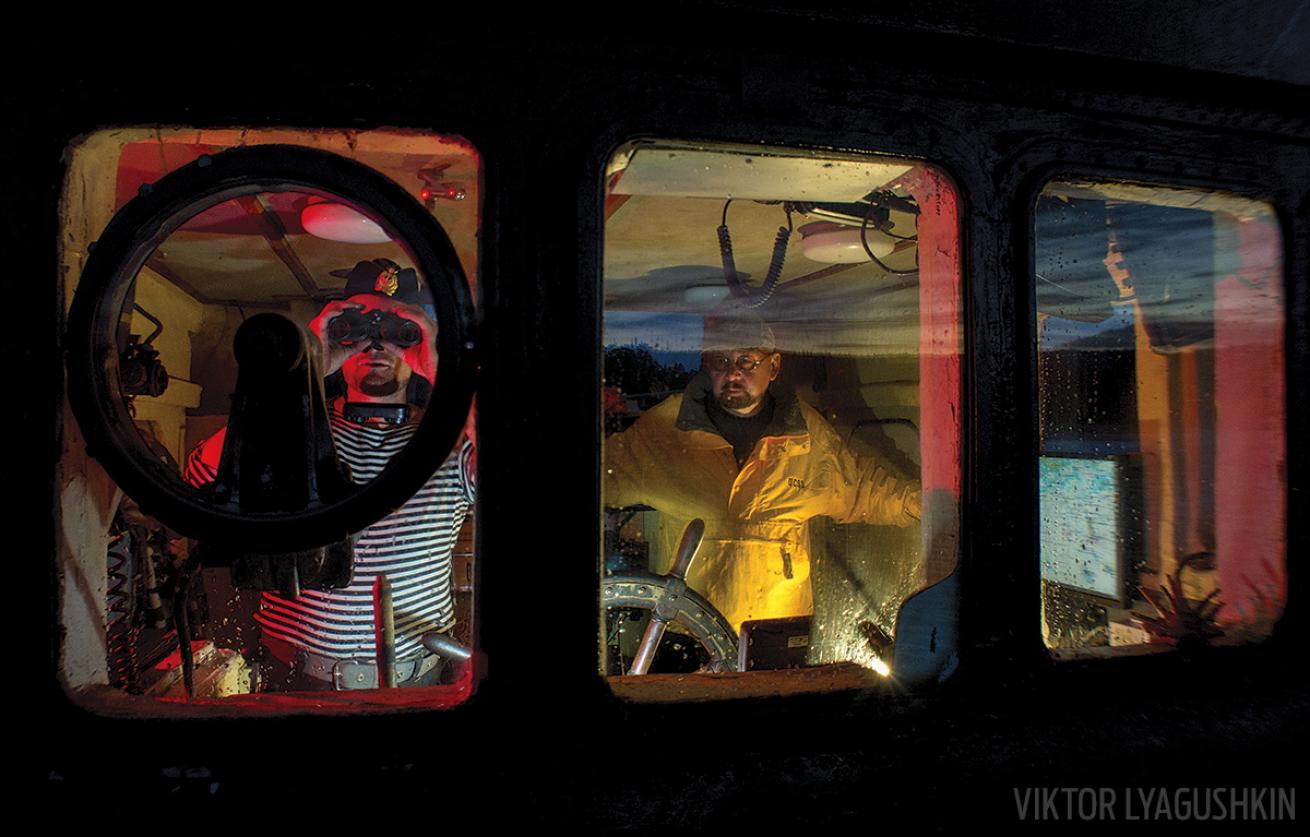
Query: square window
[1161,400]
[782,364]
[334,289]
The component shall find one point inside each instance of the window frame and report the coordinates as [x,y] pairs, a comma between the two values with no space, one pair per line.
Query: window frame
[306,158]
[698,688]
[1060,159]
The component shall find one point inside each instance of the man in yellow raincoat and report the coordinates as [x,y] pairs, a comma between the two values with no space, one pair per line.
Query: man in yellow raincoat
[756,466]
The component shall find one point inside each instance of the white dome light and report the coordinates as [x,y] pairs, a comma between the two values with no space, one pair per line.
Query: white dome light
[337,222]
[824,241]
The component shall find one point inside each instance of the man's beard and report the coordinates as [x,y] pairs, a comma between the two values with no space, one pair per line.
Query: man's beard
[738,400]
[378,386]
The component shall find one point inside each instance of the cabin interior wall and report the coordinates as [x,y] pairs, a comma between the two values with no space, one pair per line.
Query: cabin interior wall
[88,498]
[1212,420]
[1251,452]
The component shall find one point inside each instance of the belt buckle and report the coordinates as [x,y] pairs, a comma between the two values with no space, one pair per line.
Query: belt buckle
[415,669]
[340,680]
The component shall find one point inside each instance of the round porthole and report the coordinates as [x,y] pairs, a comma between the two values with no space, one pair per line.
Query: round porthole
[310,210]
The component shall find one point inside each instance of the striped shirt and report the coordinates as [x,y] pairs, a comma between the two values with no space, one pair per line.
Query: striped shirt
[412,546]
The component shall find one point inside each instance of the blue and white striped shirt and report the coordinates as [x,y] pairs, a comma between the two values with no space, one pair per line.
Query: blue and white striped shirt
[412,546]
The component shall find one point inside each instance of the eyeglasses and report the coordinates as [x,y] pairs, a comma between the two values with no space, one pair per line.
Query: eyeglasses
[723,363]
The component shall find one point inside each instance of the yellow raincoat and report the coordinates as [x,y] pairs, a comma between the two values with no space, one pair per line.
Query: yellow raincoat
[755,561]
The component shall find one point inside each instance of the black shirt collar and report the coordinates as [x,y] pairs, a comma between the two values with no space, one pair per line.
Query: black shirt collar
[694,412]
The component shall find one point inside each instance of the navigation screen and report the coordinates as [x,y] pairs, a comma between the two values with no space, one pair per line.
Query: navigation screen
[1080,524]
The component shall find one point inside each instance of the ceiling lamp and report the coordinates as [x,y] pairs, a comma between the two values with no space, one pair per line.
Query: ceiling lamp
[705,295]
[824,241]
[337,222]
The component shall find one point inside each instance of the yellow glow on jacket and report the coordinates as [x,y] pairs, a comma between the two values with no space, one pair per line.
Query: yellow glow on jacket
[755,560]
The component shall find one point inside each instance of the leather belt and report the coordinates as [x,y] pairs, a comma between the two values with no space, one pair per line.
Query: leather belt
[363,674]
[352,673]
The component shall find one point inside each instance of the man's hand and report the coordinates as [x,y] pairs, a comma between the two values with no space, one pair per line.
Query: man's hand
[422,356]
[334,354]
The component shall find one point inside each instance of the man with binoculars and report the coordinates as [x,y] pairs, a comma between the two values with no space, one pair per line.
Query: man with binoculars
[378,335]
[383,344]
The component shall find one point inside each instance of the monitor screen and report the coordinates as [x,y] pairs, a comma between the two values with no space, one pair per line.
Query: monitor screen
[1082,534]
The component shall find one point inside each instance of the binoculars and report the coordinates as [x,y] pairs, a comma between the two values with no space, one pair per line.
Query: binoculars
[355,326]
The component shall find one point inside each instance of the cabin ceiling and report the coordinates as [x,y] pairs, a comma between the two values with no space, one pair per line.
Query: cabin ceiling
[662,257]
[255,251]
[662,253]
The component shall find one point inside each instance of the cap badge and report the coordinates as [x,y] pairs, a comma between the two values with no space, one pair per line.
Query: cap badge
[387,283]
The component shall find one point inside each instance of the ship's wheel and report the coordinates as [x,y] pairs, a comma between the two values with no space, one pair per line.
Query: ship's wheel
[701,638]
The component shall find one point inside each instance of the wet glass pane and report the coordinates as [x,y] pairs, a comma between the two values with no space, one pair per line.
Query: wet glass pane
[1160,368]
[320,265]
[782,340]
[235,323]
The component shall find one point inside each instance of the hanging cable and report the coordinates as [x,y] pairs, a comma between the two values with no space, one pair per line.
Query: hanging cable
[182,622]
[889,200]
[864,240]
[121,630]
[725,253]
[891,234]
[754,298]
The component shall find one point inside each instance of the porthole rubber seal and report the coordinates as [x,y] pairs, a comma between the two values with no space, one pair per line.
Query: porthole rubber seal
[132,236]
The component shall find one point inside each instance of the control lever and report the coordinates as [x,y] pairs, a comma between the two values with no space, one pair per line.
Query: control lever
[443,646]
[384,632]
[667,607]
[446,648]
[384,628]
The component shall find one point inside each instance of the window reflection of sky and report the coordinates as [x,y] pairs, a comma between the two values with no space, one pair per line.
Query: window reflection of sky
[671,337]
[1113,333]
[1174,257]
